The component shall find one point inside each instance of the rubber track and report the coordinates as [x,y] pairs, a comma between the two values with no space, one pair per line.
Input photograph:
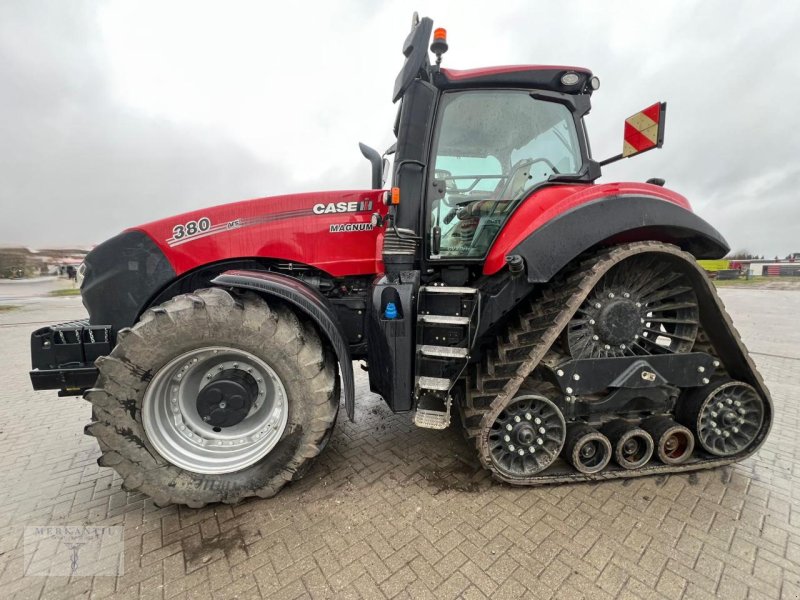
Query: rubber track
[536,327]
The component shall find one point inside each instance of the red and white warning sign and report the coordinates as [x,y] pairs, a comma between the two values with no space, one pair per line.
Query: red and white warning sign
[644,130]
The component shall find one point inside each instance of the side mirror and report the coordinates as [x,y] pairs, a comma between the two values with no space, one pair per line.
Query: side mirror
[377,165]
[643,131]
[385,171]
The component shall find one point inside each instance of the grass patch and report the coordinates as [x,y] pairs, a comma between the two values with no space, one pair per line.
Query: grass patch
[761,282]
[7,308]
[66,292]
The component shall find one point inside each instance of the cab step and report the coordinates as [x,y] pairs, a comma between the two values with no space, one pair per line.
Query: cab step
[443,351]
[434,419]
[447,289]
[443,320]
[438,384]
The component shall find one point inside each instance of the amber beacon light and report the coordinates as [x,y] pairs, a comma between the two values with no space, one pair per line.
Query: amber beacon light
[439,45]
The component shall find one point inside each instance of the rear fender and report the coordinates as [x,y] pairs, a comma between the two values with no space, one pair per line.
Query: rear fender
[312,304]
[614,220]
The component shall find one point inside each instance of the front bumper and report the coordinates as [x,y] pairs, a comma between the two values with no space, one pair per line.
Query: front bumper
[63,356]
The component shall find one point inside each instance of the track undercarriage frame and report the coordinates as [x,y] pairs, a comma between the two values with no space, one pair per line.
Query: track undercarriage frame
[531,387]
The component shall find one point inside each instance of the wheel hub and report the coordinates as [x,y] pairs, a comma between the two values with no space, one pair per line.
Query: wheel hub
[730,417]
[672,443]
[630,447]
[228,398]
[618,322]
[525,434]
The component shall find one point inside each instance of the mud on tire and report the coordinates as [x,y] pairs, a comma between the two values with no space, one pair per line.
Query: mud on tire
[213,317]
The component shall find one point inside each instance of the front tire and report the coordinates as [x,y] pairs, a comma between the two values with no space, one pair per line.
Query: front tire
[155,430]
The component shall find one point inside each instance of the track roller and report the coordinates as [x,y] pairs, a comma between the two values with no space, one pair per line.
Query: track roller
[674,443]
[726,416]
[587,449]
[633,446]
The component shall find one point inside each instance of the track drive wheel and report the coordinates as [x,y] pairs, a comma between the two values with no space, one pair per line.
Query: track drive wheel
[213,398]
[643,305]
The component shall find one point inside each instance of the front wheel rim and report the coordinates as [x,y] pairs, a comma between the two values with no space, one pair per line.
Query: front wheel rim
[179,434]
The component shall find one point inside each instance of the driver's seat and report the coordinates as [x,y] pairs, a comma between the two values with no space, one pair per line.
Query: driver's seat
[517,182]
[502,200]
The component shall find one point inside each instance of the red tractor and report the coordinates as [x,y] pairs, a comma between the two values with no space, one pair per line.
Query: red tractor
[566,322]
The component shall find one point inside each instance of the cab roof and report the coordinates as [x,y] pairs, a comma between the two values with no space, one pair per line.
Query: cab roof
[544,77]
[417,65]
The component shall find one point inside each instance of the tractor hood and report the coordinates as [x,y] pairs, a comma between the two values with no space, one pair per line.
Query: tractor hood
[331,231]
[328,230]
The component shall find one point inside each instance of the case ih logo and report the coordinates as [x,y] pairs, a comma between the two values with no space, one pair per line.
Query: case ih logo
[342,207]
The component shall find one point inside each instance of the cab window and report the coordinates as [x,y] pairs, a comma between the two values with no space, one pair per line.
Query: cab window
[490,148]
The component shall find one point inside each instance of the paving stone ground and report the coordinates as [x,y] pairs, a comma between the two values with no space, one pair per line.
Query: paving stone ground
[392,511]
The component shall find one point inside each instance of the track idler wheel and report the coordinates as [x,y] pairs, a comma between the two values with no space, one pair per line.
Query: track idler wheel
[726,416]
[633,446]
[587,449]
[674,443]
[527,436]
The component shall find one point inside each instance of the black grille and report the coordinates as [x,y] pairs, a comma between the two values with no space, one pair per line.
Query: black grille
[406,242]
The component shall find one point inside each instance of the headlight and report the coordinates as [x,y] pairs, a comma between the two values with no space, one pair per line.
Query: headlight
[570,79]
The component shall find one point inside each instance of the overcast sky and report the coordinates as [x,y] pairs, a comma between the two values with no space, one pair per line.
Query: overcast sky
[117,113]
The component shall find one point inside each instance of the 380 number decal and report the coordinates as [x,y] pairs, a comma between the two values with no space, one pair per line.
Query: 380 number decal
[191,228]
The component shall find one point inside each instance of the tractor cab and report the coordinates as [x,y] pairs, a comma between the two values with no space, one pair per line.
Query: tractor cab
[472,145]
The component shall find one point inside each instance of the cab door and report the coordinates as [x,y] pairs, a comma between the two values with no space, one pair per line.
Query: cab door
[490,148]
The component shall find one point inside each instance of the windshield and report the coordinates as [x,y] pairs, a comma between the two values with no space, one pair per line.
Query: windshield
[490,148]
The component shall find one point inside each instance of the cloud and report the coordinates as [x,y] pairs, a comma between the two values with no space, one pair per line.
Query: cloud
[76,165]
[726,71]
[113,114]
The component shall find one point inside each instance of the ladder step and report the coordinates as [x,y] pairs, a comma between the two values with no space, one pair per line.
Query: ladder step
[443,351]
[432,419]
[443,320]
[447,289]
[440,384]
